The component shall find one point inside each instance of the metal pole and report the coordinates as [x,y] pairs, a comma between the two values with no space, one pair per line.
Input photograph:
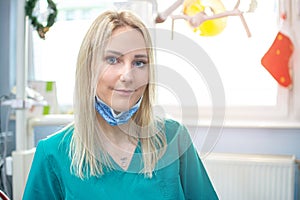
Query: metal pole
[21,72]
[21,157]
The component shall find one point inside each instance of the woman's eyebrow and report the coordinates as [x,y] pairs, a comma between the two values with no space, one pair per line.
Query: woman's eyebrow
[114,52]
[119,54]
[141,56]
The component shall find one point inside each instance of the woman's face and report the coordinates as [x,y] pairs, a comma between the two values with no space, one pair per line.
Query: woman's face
[124,72]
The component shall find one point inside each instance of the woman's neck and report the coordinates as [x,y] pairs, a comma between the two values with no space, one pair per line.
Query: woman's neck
[118,143]
[118,135]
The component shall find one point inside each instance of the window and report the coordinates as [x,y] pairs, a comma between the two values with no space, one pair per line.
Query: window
[248,87]
[54,59]
[247,84]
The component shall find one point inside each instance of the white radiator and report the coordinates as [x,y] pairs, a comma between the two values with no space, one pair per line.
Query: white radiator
[251,177]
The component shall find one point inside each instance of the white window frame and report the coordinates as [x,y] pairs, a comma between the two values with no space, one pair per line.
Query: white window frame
[286,111]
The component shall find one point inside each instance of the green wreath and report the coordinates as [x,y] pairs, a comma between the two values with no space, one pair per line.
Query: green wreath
[29,7]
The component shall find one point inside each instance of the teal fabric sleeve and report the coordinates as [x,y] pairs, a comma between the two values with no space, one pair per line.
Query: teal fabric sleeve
[194,178]
[42,182]
[195,181]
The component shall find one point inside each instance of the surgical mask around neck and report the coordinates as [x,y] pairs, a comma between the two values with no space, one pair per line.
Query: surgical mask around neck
[110,116]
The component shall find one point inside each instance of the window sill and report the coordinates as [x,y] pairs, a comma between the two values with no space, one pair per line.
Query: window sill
[231,123]
[238,123]
[251,117]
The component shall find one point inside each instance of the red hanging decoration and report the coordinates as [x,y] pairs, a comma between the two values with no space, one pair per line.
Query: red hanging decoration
[277,59]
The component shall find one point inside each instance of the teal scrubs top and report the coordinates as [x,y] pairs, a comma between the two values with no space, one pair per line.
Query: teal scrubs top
[179,174]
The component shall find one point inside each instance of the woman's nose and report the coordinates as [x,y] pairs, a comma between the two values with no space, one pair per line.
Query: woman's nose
[127,72]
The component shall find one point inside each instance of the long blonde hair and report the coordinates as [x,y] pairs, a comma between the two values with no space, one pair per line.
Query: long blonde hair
[86,161]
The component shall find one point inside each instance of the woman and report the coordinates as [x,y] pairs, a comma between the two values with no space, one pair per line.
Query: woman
[116,148]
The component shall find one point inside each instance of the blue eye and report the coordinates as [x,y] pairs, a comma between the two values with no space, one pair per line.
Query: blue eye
[139,64]
[111,60]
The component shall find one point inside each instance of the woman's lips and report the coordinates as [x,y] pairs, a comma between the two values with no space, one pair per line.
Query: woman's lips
[124,92]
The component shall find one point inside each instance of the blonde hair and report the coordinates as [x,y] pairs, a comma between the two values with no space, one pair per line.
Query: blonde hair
[86,143]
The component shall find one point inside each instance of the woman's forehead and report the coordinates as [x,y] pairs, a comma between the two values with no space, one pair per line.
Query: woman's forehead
[125,40]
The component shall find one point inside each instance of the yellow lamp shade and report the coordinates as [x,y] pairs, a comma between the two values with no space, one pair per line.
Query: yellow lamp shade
[210,27]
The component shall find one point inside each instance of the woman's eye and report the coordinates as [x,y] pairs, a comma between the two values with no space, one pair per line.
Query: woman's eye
[111,60]
[139,63]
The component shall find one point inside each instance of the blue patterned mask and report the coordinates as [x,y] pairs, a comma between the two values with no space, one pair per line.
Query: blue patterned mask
[111,117]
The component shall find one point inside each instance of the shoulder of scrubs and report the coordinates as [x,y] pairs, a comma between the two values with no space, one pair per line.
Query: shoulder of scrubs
[194,178]
[43,181]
